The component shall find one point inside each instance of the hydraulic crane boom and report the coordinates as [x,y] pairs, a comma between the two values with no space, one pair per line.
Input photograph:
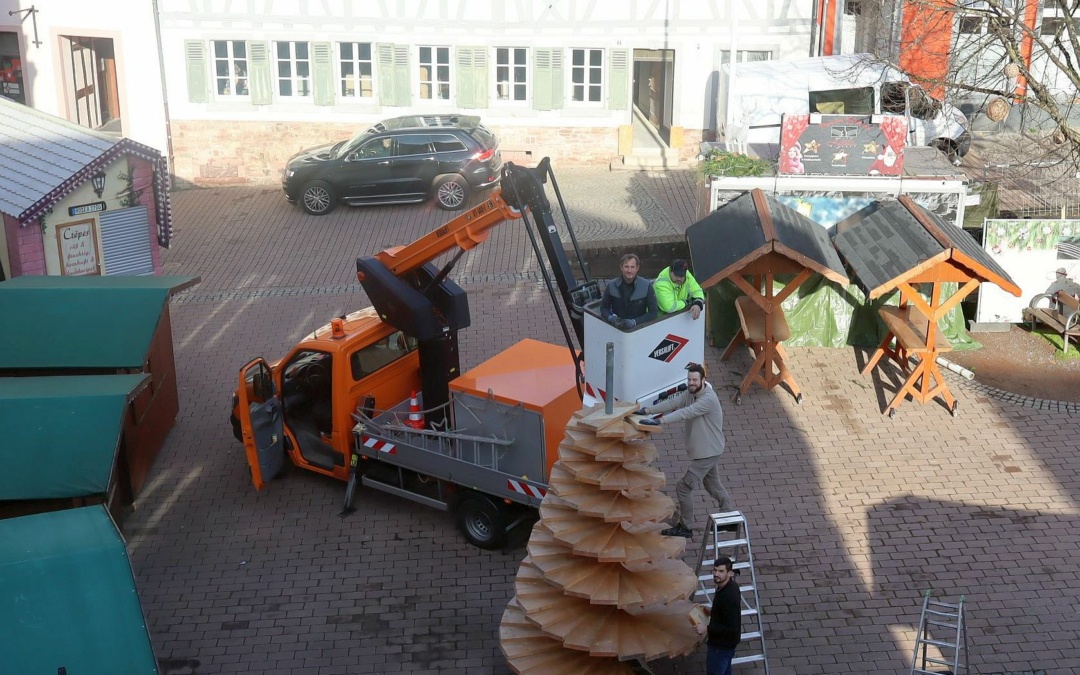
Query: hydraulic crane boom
[466,232]
[410,293]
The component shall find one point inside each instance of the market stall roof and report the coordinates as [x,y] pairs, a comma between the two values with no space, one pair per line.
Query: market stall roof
[755,228]
[899,240]
[68,601]
[61,434]
[82,322]
[45,158]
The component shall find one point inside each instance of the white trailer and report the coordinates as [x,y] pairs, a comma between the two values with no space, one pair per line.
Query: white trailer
[753,97]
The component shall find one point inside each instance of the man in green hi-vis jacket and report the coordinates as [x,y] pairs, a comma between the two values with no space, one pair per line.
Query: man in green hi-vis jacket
[676,287]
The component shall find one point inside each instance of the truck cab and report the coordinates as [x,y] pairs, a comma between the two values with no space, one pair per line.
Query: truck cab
[302,405]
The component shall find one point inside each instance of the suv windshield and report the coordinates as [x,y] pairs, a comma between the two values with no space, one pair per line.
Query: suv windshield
[344,148]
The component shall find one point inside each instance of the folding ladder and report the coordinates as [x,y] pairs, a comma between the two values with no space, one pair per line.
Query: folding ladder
[948,621]
[729,536]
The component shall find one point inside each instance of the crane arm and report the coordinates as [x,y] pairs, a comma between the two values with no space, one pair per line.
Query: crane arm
[466,232]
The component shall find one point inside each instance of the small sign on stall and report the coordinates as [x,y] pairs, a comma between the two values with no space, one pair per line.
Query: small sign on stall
[83,209]
[78,248]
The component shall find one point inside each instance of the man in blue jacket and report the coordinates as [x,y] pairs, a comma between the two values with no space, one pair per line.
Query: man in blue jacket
[630,299]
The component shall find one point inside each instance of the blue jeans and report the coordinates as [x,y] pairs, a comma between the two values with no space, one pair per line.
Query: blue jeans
[718,661]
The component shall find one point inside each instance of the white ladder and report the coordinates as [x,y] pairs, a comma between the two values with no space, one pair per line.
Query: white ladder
[947,619]
[720,541]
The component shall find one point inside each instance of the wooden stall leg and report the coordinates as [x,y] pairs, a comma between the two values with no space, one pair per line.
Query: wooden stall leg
[908,387]
[878,353]
[784,374]
[739,339]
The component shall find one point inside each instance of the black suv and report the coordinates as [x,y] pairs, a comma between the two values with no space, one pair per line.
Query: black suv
[404,159]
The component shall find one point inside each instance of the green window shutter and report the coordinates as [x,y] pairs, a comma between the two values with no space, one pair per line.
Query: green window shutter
[402,76]
[323,73]
[472,77]
[393,67]
[548,79]
[195,56]
[619,80]
[261,84]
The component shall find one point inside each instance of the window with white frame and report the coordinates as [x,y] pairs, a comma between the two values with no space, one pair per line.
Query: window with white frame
[356,70]
[293,69]
[745,56]
[511,74]
[587,75]
[230,67]
[434,73]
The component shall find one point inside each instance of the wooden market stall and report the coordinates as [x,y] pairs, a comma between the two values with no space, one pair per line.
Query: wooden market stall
[64,441]
[751,241]
[68,601]
[900,246]
[100,325]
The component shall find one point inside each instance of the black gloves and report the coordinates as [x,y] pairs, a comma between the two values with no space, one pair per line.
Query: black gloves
[649,422]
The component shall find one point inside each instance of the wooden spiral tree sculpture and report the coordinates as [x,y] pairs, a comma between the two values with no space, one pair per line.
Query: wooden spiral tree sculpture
[600,585]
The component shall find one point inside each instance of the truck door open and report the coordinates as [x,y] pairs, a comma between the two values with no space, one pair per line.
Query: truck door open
[261,423]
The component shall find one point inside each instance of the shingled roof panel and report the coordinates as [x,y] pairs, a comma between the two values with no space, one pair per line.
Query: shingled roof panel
[801,234]
[724,237]
[885,245]
[963,241]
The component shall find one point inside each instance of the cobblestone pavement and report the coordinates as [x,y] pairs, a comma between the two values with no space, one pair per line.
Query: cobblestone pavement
[853,515]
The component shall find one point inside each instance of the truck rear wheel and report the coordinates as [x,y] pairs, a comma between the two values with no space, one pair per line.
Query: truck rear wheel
[481,521]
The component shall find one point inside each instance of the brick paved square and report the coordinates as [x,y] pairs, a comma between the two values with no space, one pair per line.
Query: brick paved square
[852,515]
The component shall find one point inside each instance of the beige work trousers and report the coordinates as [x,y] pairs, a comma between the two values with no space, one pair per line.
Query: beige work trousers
[705,471]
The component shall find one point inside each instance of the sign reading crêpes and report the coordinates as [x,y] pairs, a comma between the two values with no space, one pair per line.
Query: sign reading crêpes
[77,244]
[843,145]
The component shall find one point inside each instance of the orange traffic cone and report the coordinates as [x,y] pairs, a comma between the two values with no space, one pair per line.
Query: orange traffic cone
[416,418]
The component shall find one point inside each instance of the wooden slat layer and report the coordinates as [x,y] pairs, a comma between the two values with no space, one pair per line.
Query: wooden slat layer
[608,542]
[529,652]
[605,630]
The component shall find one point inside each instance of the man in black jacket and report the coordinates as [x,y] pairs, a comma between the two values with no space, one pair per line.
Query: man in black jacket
[630,299]
[725,619]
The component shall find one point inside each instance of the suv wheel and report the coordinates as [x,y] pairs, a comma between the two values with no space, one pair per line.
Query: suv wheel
[451,191]
[317,198]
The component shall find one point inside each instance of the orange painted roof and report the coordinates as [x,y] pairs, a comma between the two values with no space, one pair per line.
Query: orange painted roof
[531,372]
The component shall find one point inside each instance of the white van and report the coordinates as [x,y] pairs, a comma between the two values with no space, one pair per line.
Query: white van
[749,109]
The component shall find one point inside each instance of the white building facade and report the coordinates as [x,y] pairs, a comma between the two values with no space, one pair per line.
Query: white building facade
[93,63]
[251,83]
[229,89]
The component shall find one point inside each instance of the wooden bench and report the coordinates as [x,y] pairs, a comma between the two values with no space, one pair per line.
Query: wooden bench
[752,321]
[909,326]
[1062,315]
[768,352]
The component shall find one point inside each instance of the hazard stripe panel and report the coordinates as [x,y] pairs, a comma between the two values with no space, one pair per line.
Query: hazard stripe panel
[381,446]
[526,489]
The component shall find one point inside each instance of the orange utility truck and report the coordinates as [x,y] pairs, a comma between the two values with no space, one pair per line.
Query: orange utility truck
[377,397]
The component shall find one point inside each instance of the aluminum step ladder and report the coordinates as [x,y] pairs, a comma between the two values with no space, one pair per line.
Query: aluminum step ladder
[946,620]
[728,535]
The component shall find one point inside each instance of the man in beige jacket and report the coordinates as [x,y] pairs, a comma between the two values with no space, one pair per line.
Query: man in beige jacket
[700,408]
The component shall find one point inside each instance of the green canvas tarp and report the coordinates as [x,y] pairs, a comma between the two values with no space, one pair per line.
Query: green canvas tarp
[68,599]
[61,434]
[81,322]
[824,314]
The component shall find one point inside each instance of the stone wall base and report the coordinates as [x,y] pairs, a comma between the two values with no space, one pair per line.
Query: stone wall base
[254,153]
